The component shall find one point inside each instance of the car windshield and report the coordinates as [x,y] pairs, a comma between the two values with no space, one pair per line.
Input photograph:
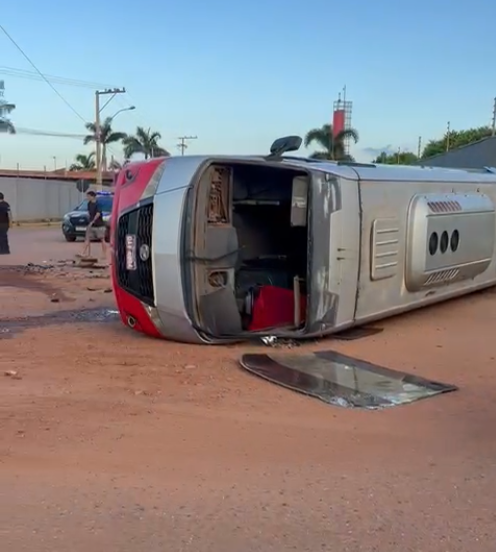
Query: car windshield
[105,203]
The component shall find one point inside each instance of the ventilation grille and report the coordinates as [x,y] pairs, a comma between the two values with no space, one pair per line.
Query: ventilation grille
[441,277]
[384,253]
[444,206]
[139,282]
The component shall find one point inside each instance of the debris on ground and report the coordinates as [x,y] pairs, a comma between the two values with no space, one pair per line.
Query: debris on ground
[31,267]
[273,341]
[86,262]
[13,374]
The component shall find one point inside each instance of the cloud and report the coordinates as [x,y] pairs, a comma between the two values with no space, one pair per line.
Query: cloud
[366,155]
[374,152]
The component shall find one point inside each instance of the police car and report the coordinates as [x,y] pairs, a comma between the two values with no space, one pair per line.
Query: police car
[75,223]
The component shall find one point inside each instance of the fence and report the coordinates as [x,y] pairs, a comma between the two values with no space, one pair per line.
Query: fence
[37,199]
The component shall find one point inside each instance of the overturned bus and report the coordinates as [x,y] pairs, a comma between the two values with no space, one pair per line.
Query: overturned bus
[213,249]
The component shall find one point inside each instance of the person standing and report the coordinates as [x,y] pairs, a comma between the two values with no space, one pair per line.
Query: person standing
[4,226]
[96,227]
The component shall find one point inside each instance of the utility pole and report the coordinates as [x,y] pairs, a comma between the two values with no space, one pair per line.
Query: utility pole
[419,147]
[448,137]
[398,156]
[112,92]
[493,131]
[182,142]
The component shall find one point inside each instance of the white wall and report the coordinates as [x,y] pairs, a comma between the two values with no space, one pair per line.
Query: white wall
[33,199]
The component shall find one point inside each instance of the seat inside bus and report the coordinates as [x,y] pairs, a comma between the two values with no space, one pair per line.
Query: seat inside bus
[255,249]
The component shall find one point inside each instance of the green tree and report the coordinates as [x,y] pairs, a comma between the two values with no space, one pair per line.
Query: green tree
[331,147]
[84,162]
[144,141]
[107,136]
[400,158]
[457,138]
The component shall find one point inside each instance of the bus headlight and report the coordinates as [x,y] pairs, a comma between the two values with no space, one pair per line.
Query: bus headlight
[152,186]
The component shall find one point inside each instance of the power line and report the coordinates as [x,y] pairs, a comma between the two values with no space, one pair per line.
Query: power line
[36,132]
[55,134]
[66,81]
[2,28]
[31,75]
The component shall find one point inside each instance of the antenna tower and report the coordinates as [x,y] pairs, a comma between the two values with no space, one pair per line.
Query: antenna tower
[341,118]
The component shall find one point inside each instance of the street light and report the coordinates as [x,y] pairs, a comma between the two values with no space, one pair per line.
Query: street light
[99,161]
[130,108]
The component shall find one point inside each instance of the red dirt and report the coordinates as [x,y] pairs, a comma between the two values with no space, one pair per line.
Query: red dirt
[114,442]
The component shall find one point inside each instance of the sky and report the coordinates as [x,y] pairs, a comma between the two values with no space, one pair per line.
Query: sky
[240,74]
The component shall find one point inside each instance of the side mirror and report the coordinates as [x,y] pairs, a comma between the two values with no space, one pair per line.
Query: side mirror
[285,144]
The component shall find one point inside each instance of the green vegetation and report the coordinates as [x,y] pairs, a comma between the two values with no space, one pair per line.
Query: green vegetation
[84,162]
[107,136]
[400,158]
[144,141]
[457,138]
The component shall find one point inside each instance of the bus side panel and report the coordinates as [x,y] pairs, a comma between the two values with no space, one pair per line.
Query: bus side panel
[389,236]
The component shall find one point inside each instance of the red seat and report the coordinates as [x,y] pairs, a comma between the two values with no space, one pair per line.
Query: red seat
[274,307]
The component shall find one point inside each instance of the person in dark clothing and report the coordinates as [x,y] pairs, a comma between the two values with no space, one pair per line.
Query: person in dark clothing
[4,226]
[96,228]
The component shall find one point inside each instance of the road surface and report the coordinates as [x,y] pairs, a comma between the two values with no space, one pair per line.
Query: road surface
[112,442]
[38,244]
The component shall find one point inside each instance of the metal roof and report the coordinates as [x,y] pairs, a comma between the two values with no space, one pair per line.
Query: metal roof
[364,171]
[398,173]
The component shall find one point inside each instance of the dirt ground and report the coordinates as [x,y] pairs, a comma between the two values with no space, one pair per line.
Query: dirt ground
[113,442]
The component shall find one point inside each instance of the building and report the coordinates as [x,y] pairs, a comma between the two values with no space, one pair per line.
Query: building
[473,156]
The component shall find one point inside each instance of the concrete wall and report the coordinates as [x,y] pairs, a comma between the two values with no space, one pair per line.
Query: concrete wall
[37,199]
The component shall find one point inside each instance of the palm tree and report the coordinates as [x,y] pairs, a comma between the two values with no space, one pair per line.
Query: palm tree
[333,147]
[145,141]
[107,136]
[84,162]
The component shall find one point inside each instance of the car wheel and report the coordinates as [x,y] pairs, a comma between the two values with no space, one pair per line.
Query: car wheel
[70,238]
